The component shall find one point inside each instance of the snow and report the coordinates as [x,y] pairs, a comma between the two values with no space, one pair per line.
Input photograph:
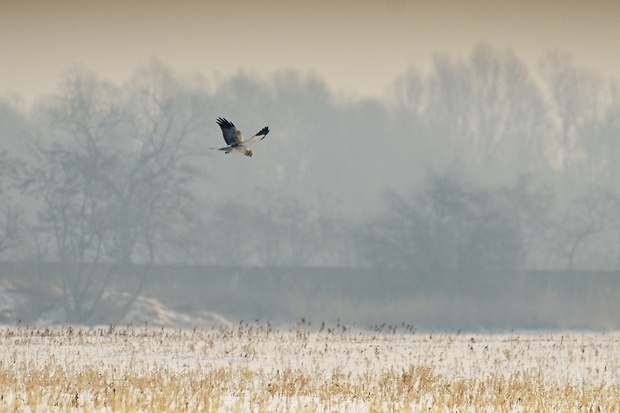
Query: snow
[144,310]
[160,359]
[252,357]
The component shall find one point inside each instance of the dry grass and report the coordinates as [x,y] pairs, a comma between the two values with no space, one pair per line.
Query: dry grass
[258,368]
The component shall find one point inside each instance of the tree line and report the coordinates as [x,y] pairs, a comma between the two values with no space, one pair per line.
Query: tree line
[482,166]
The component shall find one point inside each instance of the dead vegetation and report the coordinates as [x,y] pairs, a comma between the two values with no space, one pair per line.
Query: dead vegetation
[255,367]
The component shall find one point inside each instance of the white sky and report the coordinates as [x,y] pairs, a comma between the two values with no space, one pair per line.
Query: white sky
[358,47]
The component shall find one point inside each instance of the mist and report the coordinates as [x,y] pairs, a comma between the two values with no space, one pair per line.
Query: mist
[477,194]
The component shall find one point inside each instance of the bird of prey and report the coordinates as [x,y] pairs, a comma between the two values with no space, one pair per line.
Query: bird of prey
[234,138]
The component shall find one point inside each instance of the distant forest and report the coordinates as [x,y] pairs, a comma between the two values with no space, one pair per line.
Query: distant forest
[480,165]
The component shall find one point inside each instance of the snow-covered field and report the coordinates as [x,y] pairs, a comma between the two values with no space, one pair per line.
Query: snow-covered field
[256,367]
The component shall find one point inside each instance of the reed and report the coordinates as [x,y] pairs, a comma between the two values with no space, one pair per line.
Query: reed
[256,367]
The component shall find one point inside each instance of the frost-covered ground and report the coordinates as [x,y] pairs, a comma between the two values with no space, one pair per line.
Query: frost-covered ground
[256,367]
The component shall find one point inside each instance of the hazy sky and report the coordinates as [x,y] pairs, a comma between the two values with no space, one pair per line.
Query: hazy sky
[357,46]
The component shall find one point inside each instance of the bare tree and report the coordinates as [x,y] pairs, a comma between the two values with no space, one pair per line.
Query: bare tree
[488,113]
[14,129]
[607,145]
[289,233]
[112,174]
[530,207]
[276,232]
[583,236]
[11,218]
[586,114]
[449,231]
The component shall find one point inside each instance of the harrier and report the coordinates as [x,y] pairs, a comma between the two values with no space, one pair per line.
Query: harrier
[234,138]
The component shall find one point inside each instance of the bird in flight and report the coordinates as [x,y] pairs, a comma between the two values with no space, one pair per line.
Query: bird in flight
[234,138]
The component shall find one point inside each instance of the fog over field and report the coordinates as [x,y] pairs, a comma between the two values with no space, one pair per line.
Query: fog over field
[420,154]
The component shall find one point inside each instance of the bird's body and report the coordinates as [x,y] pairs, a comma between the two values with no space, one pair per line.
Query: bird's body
[234,138]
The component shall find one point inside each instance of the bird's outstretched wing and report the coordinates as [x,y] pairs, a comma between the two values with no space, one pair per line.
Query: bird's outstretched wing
[232,135]
[258,137]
